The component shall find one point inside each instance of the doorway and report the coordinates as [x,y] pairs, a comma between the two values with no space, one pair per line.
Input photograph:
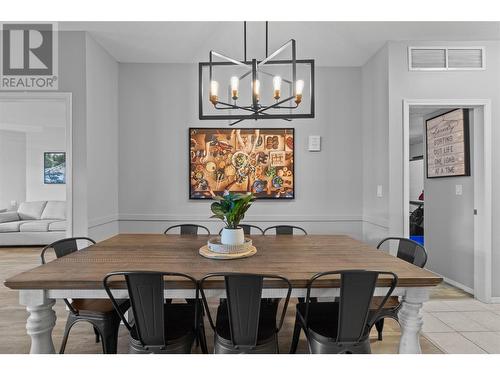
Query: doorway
[36,162]
[473,194]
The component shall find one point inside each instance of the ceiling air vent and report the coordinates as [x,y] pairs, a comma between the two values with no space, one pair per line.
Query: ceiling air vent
[446,58]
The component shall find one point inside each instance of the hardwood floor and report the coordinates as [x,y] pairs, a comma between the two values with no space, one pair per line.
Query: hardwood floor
[13,317]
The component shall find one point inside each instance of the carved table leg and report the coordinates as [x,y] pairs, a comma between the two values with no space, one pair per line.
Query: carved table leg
[411,321]
[41,320]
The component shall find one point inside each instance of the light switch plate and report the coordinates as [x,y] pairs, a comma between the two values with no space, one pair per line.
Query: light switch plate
[458,189]
[379,191]
[314,143]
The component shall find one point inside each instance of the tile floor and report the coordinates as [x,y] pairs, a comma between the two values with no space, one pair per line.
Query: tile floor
[462,326]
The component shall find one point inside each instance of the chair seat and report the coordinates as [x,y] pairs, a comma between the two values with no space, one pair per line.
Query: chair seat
[323,319]
[390,304]
[267,321]
[179,321]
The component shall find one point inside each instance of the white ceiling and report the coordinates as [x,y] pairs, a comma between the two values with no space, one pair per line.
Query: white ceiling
[329,43]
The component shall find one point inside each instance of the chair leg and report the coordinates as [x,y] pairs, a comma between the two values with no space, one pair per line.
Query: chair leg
[296,336]
[97,336]
[380,327]
[203,339]
[69,324]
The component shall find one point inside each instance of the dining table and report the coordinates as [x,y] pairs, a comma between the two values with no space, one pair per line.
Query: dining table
[298,258]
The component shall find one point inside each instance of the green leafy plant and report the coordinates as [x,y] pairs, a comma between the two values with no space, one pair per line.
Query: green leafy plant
[231,208]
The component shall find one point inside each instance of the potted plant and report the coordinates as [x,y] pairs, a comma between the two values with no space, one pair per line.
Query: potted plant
[231,208]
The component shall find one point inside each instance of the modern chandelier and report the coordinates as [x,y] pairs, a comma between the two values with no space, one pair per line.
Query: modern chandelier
[251,89]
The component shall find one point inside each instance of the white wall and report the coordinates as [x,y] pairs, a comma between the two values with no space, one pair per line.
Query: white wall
[157,105]
[405,84]
[50,139]
[375,86]
[102,140]
[12,168]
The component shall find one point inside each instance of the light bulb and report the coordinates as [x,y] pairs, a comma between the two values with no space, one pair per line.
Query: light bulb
[277,87]
[235,82]
[214,88]
[256,89]
[299,88]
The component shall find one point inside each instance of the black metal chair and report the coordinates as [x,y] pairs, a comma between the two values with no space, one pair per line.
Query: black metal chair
[158,327]
[284,229]
[342,326]
[245,322]
[411,252]
[188,229]
[98,312]
[247,229]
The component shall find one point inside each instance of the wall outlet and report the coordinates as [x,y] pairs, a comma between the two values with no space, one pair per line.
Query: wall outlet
[379,191]
[458,189]
[314,143]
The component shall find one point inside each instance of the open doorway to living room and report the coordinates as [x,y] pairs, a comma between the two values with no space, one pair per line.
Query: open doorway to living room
[35,168]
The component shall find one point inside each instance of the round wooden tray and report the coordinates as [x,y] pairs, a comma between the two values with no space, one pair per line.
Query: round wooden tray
[205,251]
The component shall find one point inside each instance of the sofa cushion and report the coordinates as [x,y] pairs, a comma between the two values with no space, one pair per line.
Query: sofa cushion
[31,210]
[13,226]
[6,217]
[57,226]
[54,210]
[35,226]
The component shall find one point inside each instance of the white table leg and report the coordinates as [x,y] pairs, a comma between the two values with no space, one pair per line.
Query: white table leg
[41,320]
[411,320]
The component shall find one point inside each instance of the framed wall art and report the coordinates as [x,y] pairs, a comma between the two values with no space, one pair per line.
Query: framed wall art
[241,160]
[447,144]
[54,167]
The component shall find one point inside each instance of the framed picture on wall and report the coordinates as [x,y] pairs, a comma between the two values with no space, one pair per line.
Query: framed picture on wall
[54,167]
[447,144]
[241,160]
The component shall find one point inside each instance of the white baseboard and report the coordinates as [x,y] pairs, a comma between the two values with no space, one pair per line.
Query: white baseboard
[457,285]
[495,299]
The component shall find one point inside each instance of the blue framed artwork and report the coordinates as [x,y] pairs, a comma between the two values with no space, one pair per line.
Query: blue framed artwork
[54,167]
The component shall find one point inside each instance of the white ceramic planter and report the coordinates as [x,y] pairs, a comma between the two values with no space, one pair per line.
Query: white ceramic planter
[232,236]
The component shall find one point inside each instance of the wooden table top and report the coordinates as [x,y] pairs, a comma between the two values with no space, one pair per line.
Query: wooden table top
[294,257]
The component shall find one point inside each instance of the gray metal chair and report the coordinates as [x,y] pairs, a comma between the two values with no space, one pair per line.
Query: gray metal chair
[188,229]
[158,327]
[247,229]
[245,322]
[98,312]
[411,252]
[284,229]
[342,326]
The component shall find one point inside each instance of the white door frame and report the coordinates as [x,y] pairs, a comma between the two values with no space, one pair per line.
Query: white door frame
[65,97]
[482,187]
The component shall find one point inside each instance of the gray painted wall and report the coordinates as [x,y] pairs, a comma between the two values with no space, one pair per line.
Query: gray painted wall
[442,85]
[375,109]
[157,105]
[449,222]
[12,168]
[102,140]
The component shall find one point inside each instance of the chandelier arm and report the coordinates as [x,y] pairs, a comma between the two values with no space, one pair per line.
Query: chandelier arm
[214,53]
[238,121]
[274,105]
[234,106]
[272,75]
[279,50]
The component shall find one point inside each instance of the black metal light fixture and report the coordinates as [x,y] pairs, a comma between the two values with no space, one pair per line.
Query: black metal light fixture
[276,87]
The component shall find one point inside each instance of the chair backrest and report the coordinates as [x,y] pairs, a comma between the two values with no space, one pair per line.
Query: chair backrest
[408,250]
[147,300]
[247,229]
[64,247]
[244,294]
[188,229]
[356,292]
[285,229]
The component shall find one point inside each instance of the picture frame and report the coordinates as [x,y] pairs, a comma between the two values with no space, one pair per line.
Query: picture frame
[257,160]
[54,168]
[447,144]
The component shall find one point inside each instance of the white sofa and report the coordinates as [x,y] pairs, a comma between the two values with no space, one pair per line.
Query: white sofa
[34,223]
